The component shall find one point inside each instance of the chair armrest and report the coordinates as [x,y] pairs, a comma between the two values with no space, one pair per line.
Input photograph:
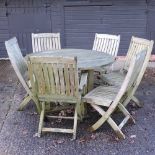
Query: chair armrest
[83,81]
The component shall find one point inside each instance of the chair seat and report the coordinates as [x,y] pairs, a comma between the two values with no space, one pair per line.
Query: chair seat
[114,78]
[102,95]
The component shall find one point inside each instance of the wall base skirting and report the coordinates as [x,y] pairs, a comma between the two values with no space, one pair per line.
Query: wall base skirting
[152,59]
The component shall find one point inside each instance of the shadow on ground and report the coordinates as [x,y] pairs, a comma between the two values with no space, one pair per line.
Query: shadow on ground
[17,129]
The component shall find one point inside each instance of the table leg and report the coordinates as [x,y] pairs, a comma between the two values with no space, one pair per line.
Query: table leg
[90,80]
[82,111]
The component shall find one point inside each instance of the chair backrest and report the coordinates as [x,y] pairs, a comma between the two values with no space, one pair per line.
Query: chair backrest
[45,42]
[54,78]
[107,43]
[140,59]
[17,60]
[136,45]
[144,65]
[130,79]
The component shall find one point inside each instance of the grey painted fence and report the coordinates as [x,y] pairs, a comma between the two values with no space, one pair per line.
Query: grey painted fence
[76,20]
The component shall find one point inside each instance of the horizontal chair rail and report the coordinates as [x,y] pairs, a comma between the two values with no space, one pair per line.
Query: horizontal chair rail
[59,117]
[57,130]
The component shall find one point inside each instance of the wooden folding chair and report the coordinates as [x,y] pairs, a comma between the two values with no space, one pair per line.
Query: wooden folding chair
[55,79]
[45,42]
[106,43]
[111,96]
[116,78]
[20,67]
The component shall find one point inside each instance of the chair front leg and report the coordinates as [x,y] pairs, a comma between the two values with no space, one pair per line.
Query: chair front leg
[99,122]
[130,96]
[90,80]
[75,122]
[42,115]
[81,110]
[25,101]
[137,102]
[37,105]
[110,122]
[125,112]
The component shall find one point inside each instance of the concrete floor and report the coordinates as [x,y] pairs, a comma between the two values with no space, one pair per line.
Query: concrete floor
[17,129]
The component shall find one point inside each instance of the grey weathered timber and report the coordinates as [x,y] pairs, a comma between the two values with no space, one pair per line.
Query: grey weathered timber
[55,79]
[45,42]
[131,92]
[86,59]
[137,45]
[106,43]
[111,96]
[19,64]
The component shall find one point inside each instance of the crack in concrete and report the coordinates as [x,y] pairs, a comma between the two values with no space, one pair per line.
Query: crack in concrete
[9,106]
[5,118]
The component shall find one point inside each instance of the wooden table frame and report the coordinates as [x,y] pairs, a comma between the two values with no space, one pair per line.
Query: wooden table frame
[87,60]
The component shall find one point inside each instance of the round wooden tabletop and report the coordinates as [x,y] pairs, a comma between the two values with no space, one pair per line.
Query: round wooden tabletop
[86,59]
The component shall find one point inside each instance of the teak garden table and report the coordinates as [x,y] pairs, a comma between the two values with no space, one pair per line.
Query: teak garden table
[87,60]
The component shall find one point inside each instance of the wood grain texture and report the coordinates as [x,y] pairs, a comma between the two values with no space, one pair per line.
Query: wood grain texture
[55,79]
[45,42]
[111,96]
[19,64]
[106,43]
[86,59]
[137,45]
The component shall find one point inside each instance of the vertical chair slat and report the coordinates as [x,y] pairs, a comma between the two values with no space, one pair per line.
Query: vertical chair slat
[71,77]
[66,77]
[56,77]
[39,44]
[47,78]
[47,43]
[62,82]
[39,75]
[51,76]
[53,41]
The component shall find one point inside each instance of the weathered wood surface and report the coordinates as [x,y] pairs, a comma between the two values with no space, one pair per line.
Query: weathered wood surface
[131,93]
[137,45]
[107,43]
[19,64]
[55,79]
[86,59]
[114,78]
[45,42]
[111,96]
